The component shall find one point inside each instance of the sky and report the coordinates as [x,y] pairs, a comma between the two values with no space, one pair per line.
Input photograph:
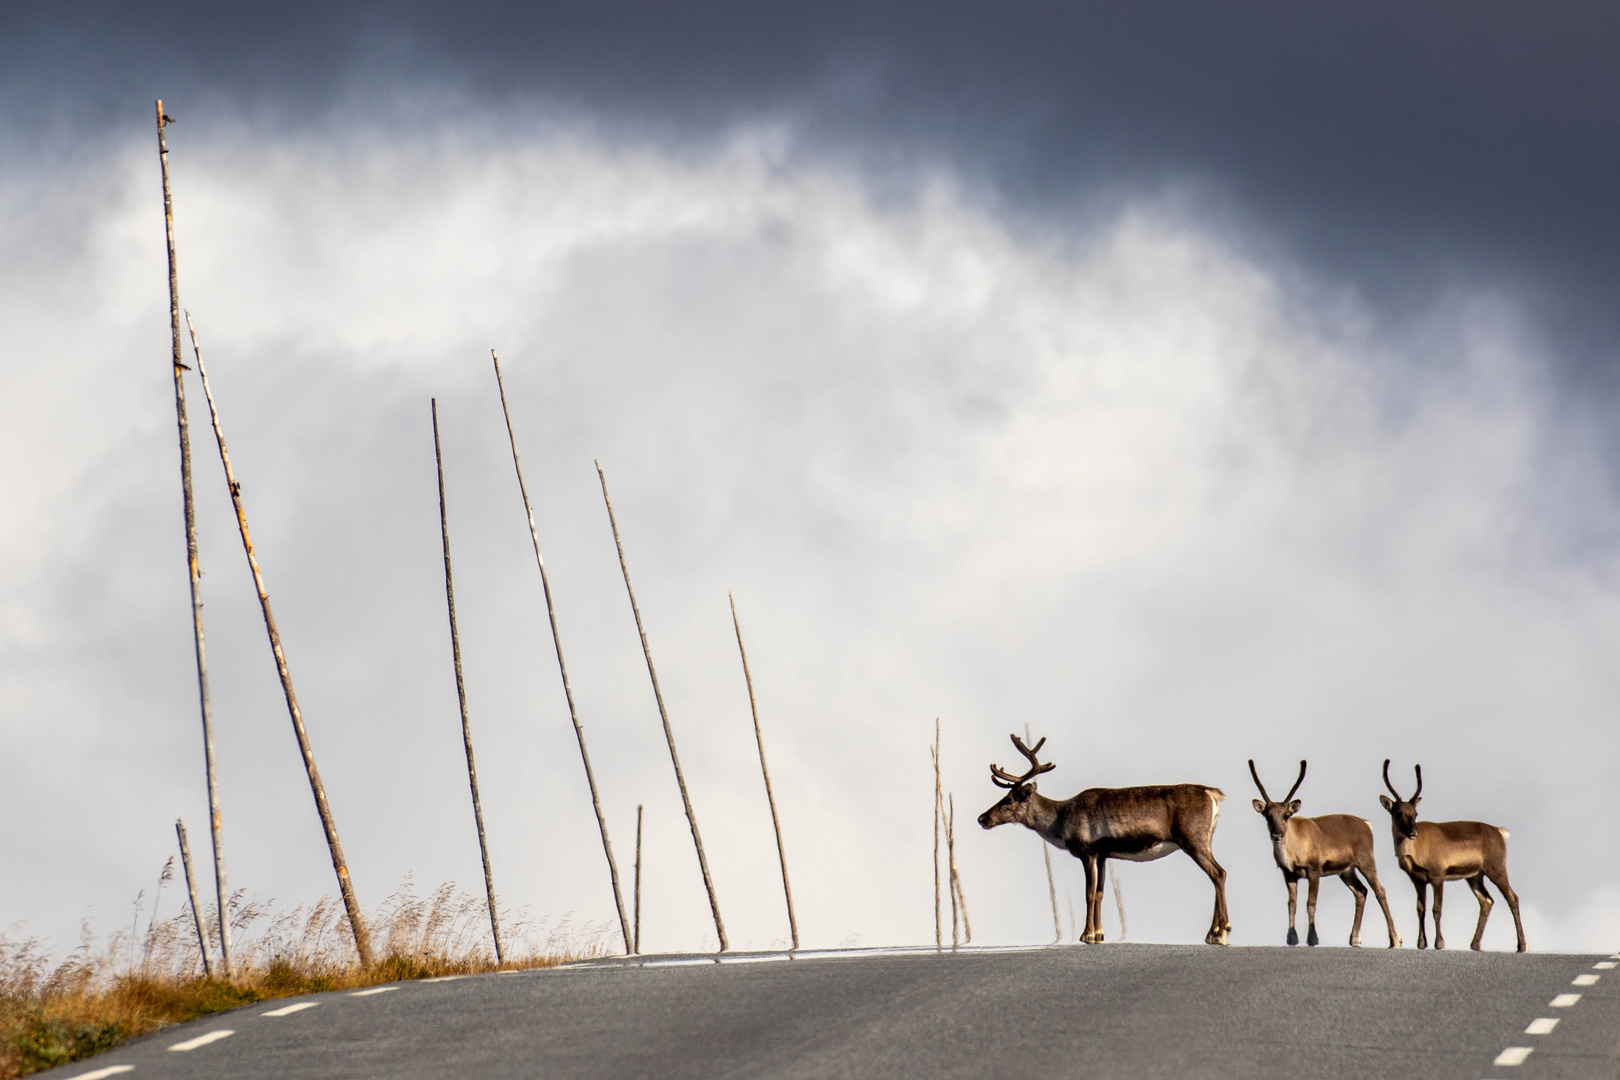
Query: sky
[1187,382]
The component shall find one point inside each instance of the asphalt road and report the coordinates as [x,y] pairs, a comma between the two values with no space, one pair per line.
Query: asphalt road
[1117,1010]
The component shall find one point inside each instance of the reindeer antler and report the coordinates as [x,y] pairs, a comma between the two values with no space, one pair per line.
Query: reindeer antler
[1002,778]
[1257,782]
[1289,797]
[1415,768]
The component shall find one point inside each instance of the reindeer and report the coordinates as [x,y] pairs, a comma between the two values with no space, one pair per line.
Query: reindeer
[1310,847]
[1435,852]
[1136,823]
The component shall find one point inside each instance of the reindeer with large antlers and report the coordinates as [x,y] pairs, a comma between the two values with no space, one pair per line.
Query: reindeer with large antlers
[1435,852]
[1135,823]
[1310,847]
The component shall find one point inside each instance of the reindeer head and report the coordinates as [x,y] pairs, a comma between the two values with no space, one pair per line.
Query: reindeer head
[1403,812]
[1015,806]
[1277,813]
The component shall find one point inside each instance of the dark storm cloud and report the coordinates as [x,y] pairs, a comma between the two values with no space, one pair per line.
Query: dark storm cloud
[1390,142]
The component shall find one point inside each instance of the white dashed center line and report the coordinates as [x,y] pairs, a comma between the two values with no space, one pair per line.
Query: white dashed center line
[385,989]
[102,1074]
[1564,1001]
[1541,1026]
[445,978]
[288,1010]
[1513,1055]
[1584,980]
[203,1040]
[1604,965]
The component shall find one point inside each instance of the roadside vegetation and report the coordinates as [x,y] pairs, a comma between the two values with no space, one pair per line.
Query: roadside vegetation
[139,980]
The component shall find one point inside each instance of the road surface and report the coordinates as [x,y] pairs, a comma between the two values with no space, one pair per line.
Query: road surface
[1119,1010]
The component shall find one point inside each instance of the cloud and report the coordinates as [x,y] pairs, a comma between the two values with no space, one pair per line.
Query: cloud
[1116,476]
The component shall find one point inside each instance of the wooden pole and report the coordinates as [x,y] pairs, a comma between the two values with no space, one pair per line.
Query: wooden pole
[562,668]
[776,822]
[1119,903]
[340,865]
[950,874]
[191,888]
[215,818]
[669,735]
[939,938]
[956,878]
[1051,883]
[461,693]
[637,939]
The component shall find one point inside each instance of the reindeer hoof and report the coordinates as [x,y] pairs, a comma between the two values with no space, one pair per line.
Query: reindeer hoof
[1355,943]
[1293,936]
[1310,936]
[1395,942]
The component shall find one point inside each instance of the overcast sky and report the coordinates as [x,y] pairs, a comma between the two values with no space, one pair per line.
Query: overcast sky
[1189,382]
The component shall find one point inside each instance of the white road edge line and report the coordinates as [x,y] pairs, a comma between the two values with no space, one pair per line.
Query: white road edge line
[677,963]
[1513,1055]
[1584,980]
[288,1010]
[1541,1026]
[446,978]
[203,1040]
[1564,1001]
[102,1074]
[373,990]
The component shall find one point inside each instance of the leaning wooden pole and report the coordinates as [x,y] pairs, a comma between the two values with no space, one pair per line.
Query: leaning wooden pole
[956,878]
[759,740]
[191,888]
[215,818]
[636,941]
[939,936]
[562,668]
[669,735]
[1051,882]
[461,694]
[340,865]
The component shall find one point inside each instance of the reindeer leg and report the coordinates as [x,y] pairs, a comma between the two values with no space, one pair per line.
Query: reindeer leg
[1439,890]
[1477,883]
[1314,880]
[1293,904]
[1102,889]
[1500,880]
[1093,905]
[1422,887]
[1350,879]
[1220,926]
[1371,874]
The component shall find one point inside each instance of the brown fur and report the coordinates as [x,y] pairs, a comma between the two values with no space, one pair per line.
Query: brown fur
[1113,823]
[1434,852]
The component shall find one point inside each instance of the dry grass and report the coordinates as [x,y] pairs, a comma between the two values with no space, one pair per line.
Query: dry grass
[53,1012]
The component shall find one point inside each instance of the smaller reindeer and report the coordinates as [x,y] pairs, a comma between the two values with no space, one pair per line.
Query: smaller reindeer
[1135,823]
[1310,847]
[1435,852]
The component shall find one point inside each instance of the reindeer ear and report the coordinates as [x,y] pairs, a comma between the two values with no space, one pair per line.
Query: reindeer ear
[1387,804]
[1293,807]
[1259,807]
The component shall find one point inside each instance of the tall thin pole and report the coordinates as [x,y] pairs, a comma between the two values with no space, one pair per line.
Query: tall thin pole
[776,822]
[562,668]
[637,940]
[669,735]
[950,873]
[939,936]
[340,865]
[956,878]
[1051,882]
[215,818]
[191,888]
[461,693]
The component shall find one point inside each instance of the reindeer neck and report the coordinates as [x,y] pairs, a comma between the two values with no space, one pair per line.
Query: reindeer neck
[1041,815]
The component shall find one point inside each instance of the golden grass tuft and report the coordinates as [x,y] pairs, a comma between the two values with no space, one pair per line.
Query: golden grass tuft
[52,1013]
